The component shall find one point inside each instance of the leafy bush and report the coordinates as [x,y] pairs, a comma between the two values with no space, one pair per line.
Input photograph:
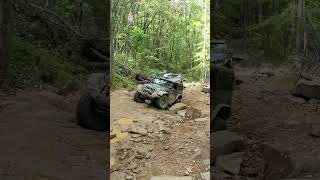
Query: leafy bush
[31,66]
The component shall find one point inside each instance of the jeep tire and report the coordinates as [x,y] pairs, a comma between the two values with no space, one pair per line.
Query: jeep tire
[87,115]
[138,98]
[161,102]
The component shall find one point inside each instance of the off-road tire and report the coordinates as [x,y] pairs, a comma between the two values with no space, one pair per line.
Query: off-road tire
[137,98]
[219,124]
[162,102]
[87,115]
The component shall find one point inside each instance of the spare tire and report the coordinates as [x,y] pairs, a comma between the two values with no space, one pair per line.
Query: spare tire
[88,116]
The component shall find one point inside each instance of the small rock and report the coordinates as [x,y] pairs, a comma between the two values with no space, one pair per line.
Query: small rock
[139,130]
[230,163]
[128,177]
[139,156]
[138,170]
[177,107]
[204,119]
[171,178]
[166,148]
[205,176]
[124,128]
[137,140]
[135,135]
[148,156]
[182,113]
[165,130]
[132,166]
[206,89]
[315,129]
[113,135]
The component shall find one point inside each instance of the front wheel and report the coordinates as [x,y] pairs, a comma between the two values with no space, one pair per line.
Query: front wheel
[162,102]
[87,115]
[138,98]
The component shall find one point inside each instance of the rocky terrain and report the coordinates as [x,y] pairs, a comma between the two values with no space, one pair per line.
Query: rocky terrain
[148,143]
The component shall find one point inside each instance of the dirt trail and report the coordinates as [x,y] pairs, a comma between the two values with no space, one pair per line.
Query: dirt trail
[264,111]
[181,149]
[41,141]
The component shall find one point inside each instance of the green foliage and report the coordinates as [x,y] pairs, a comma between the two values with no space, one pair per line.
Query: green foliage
[33,66]
[121,81]
[156,35]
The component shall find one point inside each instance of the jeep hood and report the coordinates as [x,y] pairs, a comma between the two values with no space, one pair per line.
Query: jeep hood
[151,88]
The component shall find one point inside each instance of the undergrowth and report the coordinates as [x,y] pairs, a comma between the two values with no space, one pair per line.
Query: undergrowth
[32,66]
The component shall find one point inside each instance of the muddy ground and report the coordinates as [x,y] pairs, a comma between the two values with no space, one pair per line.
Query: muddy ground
[40,139]
[172,144]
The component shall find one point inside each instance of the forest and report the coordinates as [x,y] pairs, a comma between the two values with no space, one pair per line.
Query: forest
[52,42]
[151,36]
[264,31]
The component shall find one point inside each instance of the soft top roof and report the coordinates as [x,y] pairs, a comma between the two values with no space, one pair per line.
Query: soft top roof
[172,77]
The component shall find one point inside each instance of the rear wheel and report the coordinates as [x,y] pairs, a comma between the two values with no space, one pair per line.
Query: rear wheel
[138,98]
[162,102]
[87,115]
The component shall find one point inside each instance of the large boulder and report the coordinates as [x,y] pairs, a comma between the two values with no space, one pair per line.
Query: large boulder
[278,162]
[230,163]
[177,107]
[225,142]
[308,89]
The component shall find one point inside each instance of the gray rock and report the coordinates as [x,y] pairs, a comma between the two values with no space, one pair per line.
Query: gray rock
[225,142]
[205,176]
[177,107]
[315,129]
[171,178]
[314,101]
[182,113]
[230,163]
[308,89]
[278,160]
[139,130]
[206,89]
[204,119]
[124,128]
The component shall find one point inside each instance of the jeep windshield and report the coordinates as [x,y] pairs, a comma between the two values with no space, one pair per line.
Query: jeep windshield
[163,82]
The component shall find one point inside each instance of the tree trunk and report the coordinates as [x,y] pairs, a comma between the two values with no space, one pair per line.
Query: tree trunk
[4,37]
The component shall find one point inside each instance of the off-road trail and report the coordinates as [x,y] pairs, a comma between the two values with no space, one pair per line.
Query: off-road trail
[277,134]
[272,135]
[40,140]
[151,142]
